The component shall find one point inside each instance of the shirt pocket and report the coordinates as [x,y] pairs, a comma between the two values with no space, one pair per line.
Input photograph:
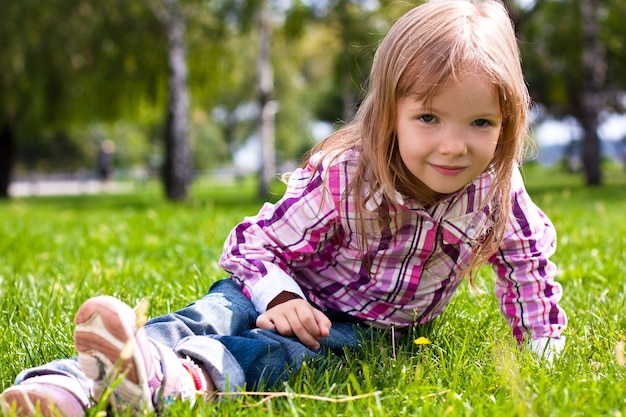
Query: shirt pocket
[460,237]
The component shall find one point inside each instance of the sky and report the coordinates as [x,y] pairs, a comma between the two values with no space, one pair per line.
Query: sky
[554,132]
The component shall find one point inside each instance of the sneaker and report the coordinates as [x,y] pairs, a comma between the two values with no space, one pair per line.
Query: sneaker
[126,365]
[46,395]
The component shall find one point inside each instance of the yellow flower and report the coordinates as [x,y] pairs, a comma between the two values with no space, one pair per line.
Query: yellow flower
[422,341]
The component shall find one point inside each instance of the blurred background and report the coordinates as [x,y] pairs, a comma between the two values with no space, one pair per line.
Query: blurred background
[107,93]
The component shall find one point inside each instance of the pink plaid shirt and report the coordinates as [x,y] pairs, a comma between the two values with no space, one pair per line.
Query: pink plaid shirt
[306,244]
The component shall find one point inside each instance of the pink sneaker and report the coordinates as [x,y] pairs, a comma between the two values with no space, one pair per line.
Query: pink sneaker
[113,352]
[46,395]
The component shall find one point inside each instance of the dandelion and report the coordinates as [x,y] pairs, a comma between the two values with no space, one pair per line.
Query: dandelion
[422,341]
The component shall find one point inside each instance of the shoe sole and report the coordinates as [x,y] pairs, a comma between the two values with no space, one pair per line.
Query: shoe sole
[108,348]
[28,400]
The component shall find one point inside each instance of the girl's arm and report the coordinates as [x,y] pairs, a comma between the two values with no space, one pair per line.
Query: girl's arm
[264,252]
[526,290]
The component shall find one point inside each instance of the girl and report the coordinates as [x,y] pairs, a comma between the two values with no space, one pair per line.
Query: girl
[376,229]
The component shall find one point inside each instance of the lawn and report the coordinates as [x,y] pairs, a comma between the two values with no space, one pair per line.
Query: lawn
[55,252]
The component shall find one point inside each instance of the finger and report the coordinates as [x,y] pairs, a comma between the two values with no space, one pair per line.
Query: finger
[323,323]
[306,328]
[306,323]
[287,326]
[306,338]
[281,323]
[315,322]
[308,319]
[264,321]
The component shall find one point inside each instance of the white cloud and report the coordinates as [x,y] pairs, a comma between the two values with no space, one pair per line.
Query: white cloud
[557,132]
[613,128]
[561,132]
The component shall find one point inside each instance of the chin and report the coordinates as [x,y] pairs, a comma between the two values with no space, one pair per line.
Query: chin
[446,190]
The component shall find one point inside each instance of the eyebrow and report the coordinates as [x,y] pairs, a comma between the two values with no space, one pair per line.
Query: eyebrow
[417,107]
[488,116]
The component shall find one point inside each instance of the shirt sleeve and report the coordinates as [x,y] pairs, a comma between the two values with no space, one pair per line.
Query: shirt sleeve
[261,251]
[525,287]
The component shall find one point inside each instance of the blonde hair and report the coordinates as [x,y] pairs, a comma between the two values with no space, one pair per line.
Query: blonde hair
[427,48]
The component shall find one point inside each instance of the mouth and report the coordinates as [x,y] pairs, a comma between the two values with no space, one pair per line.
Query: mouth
[448,170]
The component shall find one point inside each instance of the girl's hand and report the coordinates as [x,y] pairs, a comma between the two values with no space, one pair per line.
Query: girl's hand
[547,348]
[296,317]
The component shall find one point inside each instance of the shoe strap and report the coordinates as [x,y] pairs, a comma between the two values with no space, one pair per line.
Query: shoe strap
[171,379]
[196,374]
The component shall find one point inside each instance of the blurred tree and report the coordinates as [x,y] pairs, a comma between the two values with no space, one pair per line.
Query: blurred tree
[108,61]
[266,100]
[353,24]
[588,104]
[222,43]
[177,169]
[68,62]
[574,53]
[358,26]
[214,19]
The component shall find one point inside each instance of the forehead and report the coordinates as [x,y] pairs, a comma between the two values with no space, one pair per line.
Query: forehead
[466,88]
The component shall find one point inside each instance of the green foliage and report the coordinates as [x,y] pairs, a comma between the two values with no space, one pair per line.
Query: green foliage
[71,67]
[551,42]
[552,59]
[614,37]
[58,251]
[70,62]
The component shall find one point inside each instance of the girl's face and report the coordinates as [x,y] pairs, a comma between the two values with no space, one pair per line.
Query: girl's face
[448,143]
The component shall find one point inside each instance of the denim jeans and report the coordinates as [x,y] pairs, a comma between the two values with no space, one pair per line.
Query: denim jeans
[219,332]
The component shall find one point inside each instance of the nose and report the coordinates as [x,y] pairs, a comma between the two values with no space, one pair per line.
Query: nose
[452,142]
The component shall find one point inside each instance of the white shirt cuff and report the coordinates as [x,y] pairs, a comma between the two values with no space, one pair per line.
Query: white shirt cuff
[270,286]
[548,348]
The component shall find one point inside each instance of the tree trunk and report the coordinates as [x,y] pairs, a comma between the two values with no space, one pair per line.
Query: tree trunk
[267,105]
[177,168]
[7,157]
[594,62]
[348,96]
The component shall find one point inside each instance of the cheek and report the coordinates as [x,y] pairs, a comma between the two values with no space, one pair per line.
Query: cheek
[492,147]
[402,152]
[410,151]
[402,145]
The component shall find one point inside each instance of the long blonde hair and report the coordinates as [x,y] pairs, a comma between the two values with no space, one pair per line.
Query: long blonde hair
[428,47]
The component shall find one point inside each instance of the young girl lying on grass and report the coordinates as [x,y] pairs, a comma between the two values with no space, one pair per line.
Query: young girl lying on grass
[377,229]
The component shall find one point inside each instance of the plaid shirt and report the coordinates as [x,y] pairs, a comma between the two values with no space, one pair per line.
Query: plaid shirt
[306,244]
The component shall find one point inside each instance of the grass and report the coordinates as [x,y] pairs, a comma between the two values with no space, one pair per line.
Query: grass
[56,252]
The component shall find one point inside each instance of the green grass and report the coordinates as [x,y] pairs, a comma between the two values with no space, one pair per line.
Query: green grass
[56,252]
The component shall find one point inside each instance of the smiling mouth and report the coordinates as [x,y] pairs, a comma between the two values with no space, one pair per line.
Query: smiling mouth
[447,169]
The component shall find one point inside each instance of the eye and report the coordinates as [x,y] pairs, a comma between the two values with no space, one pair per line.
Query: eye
[482,123]
[427,118]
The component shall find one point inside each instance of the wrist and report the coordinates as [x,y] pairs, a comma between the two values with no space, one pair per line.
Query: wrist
[283,297]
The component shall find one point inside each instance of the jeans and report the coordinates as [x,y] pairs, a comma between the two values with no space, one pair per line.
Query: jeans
[219,333]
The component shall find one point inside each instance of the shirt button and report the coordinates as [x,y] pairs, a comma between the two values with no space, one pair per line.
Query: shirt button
[471,233]
[417,261]
[427,224]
